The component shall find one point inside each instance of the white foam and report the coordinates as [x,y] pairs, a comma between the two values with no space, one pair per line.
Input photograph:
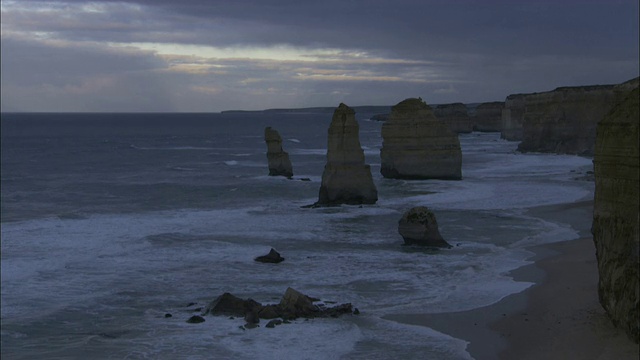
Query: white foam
[149,262]
[308,152]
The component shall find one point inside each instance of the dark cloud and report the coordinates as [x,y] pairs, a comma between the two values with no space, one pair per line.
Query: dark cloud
[444,51]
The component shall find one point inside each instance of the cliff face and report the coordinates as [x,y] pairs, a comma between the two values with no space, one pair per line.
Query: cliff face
[564,121]
[561,121]
[455,116]
[279,163]
[616,214]
[346,178]
[488,117]
[512,117]
[416,145]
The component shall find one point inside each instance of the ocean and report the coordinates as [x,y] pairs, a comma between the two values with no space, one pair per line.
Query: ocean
[111,221]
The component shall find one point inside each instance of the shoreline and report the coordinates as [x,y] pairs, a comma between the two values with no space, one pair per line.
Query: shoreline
[559,317]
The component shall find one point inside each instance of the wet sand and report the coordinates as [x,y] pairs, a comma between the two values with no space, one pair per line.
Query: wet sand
[557,318]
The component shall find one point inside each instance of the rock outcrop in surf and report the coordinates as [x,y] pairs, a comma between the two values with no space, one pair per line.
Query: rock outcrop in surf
[346,178]
[279,163]
[418,226]
[293,305]
[615,215]
[416,145]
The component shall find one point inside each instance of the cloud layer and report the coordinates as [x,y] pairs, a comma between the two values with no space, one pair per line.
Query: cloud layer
[199,55]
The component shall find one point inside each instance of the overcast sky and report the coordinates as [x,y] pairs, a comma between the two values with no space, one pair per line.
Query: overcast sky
[209,55]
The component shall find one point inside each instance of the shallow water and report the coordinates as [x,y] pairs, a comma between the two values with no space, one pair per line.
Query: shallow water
[110,223]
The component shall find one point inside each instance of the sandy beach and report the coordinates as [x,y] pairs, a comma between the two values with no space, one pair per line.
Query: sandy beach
[557,318]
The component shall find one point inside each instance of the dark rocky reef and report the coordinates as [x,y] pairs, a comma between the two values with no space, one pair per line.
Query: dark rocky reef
[455,116]
[293,305]
[488,117]
[416,145]
[616,214]
[272,257]
[279,163]
[418,226]
[346,178]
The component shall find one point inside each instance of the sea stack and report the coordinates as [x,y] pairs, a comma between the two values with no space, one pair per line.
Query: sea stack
[488,117]
[418,226]
[416,145]
[279,163]
[455,116]
[615,214]
[346,178]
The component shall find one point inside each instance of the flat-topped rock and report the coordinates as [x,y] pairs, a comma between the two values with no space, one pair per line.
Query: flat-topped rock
[455,116]
[563,120]
[279,163]
[488,117]
[416,145]
[346,178]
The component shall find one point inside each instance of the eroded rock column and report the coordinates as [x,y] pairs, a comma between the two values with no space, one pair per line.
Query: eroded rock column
[346,178]
[279,163]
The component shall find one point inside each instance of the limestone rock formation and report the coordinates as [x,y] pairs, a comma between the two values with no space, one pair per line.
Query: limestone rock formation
[416,145]
[561,121]
[615,214]
[513,117]
[419,226]
[488,117]
[293,305]
[272,257]
[279,163]
[229,304]
[455,116]
[346,178]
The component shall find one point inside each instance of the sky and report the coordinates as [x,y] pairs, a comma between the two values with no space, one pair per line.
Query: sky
[210,55]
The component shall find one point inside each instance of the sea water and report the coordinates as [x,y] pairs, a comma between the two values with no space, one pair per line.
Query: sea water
[111,221]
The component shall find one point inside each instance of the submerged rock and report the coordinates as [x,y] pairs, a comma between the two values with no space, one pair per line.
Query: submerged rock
[346,178]
[279,163]
[416,145]
[272,257]
[195,319]
[273,323]
[419,226]
[615,215]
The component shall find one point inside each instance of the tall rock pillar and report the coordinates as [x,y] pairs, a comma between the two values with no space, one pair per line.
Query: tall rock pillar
[346,178]
[279,163]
